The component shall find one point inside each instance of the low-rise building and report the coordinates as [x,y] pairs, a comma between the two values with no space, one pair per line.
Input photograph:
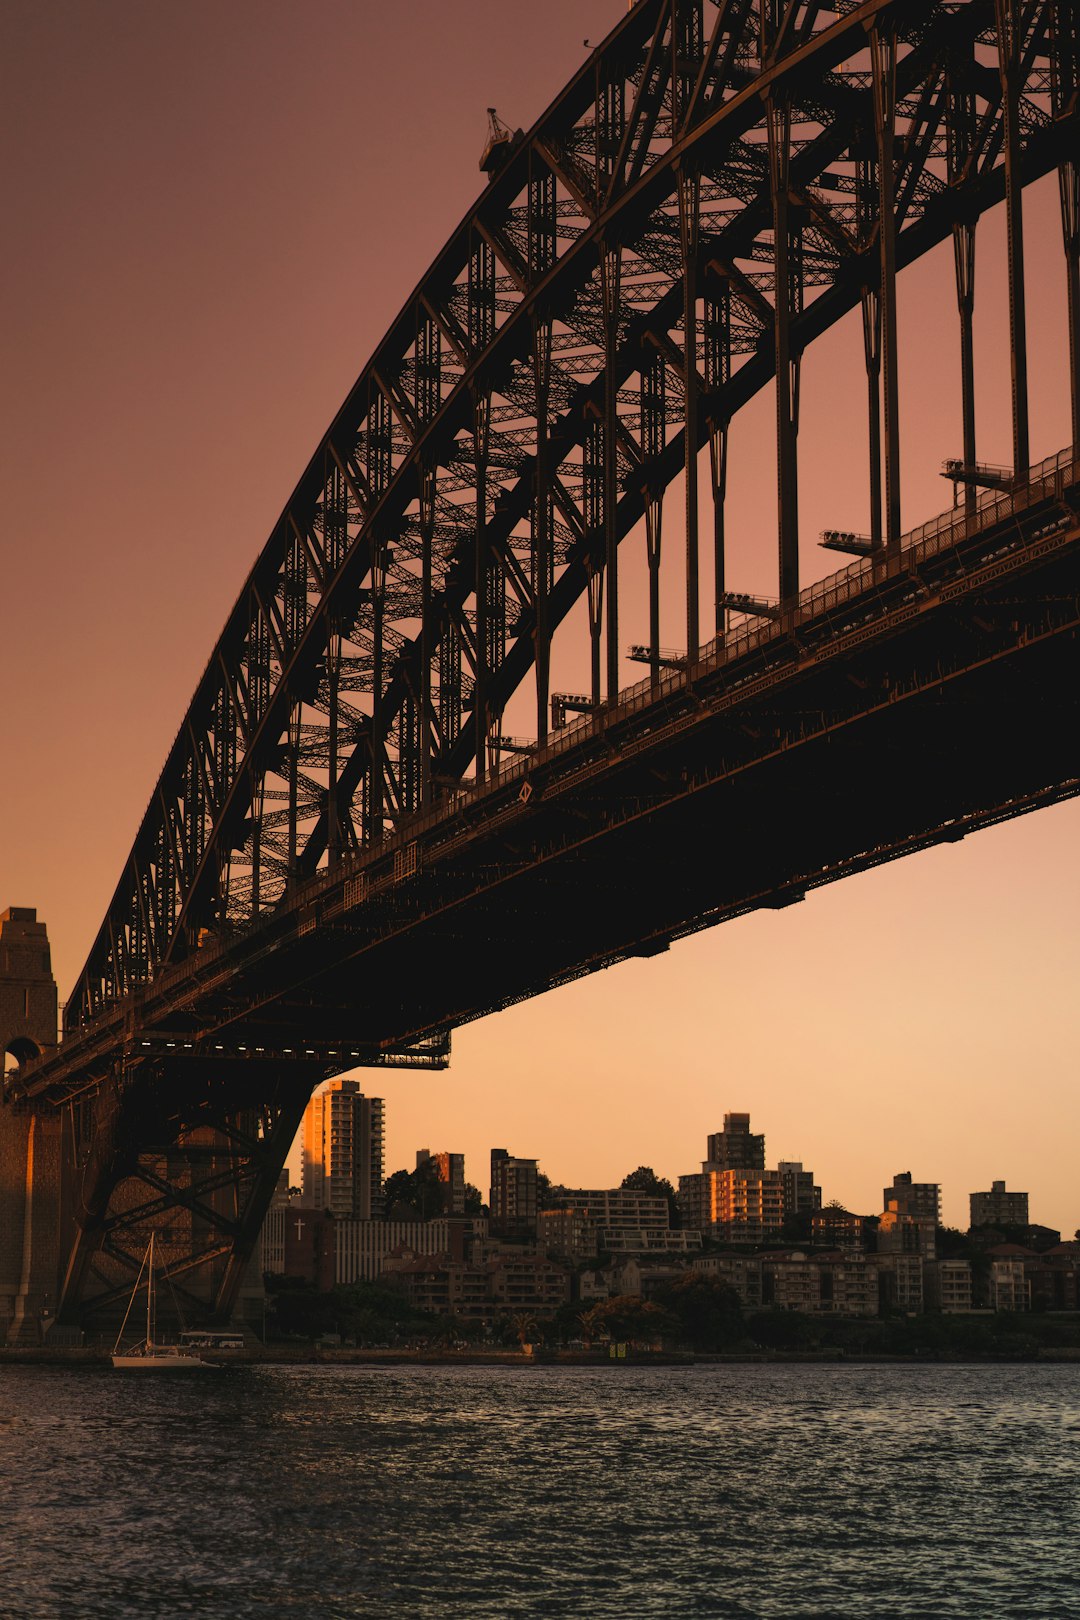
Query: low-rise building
[947,1286]
[901,1282]
[513,1281]
[741,1272]
[838,1228]
[836,1283]
[1008,1285]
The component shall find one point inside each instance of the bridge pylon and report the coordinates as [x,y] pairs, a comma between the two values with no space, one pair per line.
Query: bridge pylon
[31,1150]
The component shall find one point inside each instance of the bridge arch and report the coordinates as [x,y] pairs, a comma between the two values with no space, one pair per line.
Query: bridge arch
[595,323]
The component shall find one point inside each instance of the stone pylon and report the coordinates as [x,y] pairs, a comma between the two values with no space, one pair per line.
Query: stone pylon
[30,1144]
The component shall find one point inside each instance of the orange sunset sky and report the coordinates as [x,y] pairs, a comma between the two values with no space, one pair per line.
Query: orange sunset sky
[212,212]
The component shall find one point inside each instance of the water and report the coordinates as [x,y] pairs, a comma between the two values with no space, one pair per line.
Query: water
[581,1491]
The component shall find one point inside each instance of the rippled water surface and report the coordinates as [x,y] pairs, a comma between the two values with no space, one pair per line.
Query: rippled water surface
[587,1491]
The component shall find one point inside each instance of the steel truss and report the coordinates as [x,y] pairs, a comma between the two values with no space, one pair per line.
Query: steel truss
[601,315]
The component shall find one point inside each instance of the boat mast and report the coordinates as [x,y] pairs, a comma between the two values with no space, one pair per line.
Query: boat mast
[150,1296]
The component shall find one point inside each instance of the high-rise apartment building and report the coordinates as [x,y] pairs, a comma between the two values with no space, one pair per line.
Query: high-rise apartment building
[801,1197]
[735,1147]
[998,1207]
[907,1197]
[342,1166]
[733,1206]
[450,1168]
[513,1201]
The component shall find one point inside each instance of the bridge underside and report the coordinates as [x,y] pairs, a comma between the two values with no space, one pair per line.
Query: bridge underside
[710,803]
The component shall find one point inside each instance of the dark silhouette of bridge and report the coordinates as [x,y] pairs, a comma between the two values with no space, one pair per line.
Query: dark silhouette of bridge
[347,852]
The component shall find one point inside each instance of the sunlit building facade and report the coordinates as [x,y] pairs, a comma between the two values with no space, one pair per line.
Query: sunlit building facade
[342,1166]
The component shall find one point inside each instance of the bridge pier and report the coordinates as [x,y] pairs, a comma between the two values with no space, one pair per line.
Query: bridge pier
[31,1145]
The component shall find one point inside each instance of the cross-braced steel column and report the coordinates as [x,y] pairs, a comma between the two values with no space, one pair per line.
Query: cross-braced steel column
[778,115]
[867,199]
[610,272]
[883,61]
[689,222]
[1069,176]
[1010,30]
[427,535]
[542,536]
[653,434]
[717,377]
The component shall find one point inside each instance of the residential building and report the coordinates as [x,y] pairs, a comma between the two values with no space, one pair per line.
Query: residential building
[800,1195]
[832,1283]
[735,1147]
[913,1197]
[513,1199]
[998,1207]
[450,1168]
[906,1234]
[570,1234]
[733,1206]
[342,1166]
[1054,1277]
[947,1286]
[512,1281]
[742,1272]
[838,1228]
[1008,1285]
[613,1207]
[901,1279]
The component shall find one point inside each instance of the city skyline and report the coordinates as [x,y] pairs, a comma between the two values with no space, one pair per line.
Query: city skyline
[175,294]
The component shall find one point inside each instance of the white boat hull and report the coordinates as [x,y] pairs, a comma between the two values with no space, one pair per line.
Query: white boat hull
[162,1361]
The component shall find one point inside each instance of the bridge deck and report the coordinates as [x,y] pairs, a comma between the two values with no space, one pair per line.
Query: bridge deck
[894,704]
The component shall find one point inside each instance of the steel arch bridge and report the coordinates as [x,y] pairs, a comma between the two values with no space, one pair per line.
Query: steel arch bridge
[346,853]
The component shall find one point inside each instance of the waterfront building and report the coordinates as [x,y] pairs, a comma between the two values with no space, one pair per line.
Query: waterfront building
[450,1168]
[909,1197]
[1008,1285]
[998,1207]
[832,1284]
[947,1286]
[742,1272]
[513,1197]
[342,1166]
[1054,1277]
[511,1281]
[902,1282]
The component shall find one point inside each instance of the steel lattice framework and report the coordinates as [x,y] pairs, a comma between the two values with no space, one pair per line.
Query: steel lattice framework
[719,183]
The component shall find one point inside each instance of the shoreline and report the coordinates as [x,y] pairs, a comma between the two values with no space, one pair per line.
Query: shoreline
[310,1356]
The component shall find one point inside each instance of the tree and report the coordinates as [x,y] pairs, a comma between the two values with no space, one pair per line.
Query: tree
[707,1313]
[592,1322]
[422,1190]
[474,1203]
[543,1191]
[524,1327]
[645,1180]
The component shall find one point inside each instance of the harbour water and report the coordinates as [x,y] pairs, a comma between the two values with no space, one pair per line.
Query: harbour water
[733,1491]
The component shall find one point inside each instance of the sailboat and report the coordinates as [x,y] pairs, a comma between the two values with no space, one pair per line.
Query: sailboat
[149,1355]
